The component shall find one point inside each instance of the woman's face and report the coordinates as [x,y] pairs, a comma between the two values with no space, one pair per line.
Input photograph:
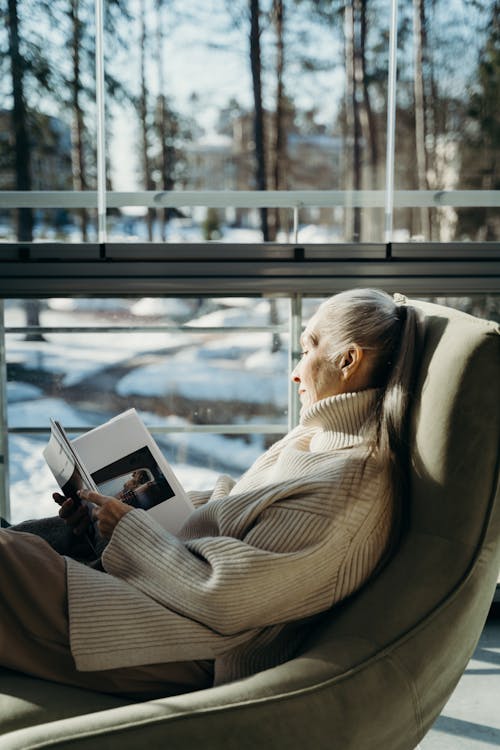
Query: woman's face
[316,377]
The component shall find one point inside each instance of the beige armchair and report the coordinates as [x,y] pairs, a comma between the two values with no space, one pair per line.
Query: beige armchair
[377,671]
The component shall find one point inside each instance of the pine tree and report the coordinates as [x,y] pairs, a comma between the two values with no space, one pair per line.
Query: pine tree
[259,122]
[481,148]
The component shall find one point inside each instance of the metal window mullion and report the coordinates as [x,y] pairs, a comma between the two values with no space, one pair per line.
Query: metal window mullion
[293,355]
[296,224]
[4,435]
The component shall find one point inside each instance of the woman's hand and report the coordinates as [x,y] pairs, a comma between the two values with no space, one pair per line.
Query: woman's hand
[74,513]
[108,513]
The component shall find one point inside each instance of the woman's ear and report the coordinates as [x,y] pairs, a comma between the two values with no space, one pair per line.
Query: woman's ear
[351,360]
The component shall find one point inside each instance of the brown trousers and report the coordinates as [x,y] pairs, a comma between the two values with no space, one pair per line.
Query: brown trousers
[34,628]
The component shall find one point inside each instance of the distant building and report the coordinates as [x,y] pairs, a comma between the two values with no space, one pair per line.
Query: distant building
[210,163]
[226,161]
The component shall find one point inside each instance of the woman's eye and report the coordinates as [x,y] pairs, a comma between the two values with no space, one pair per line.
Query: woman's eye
[305,352]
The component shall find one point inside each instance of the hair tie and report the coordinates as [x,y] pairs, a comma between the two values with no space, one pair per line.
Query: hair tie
[399,299]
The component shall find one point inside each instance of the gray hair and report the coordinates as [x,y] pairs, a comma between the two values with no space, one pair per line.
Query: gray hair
[386,328]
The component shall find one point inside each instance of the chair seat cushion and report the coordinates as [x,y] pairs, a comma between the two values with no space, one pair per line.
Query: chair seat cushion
[27,701]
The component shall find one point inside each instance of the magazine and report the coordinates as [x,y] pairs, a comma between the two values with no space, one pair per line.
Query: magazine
[119,458]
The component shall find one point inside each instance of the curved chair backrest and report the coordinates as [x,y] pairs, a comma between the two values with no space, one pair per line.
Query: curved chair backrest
[378,669]
[410,633]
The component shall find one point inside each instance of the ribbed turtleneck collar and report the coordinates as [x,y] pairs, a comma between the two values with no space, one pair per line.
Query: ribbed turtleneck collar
[340,418]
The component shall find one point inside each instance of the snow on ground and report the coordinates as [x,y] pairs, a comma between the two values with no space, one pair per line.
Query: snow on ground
[38,413]
[237,451]
[31,482]
[178,230]
[164,307]
[229,346]
[76,356]
[255,314]
[182,377]
[22,392]
[100,305]
[275,363]
[195,477]
[187,230]
[312,233]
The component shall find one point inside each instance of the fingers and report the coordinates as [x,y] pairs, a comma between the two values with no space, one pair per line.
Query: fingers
[58,498]
[75,515]
[94,497]
[108,513]
[68,507]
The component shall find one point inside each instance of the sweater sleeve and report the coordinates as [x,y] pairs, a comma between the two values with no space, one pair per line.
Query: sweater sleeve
[229,584]
[114,624]
[199,498]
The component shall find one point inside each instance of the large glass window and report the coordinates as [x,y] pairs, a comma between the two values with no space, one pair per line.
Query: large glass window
[202,121]
[257,95]
[448,120]
[208,376]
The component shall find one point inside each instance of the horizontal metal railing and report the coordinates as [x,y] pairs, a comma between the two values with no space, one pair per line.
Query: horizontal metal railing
[146,329]
[250,198]
[265,428]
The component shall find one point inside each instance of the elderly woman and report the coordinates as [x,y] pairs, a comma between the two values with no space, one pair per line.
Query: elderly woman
[237,589]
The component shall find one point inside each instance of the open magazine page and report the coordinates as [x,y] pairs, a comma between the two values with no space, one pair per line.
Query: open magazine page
[124,461]
[64,463]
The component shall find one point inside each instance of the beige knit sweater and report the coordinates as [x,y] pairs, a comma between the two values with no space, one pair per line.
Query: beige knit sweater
[302,529]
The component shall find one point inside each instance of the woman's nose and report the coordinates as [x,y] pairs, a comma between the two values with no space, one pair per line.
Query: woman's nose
[295,375]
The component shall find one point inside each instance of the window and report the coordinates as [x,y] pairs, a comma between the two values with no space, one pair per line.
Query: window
[156,157]
[300,100]
[209,376]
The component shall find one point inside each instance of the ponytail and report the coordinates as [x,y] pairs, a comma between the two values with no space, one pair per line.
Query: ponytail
[393,409]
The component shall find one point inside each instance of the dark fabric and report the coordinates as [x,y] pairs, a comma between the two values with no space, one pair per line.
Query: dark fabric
[62,539]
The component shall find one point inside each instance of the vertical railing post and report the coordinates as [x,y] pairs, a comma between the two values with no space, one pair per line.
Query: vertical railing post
[391,123]
[295,224]
[293,355]
[4,435]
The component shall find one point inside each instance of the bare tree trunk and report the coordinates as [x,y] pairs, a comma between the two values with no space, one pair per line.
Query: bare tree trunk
[259,128]
[279,166]
[161,125]
[22,153]
[22,145]
[353,127]
[367,120]
[420,119]
[143,114]
[77,128]
[433,125]
[369,126]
